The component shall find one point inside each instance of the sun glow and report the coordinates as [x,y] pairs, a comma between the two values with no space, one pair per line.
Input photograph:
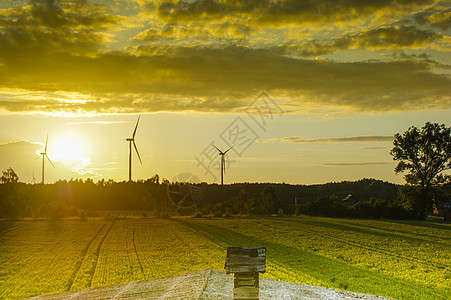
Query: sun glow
[67,148]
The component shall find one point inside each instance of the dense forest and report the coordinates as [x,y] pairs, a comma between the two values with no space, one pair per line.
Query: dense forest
[85,198]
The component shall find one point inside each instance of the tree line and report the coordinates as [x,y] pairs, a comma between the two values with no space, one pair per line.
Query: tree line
[74,197]
[407,205]
[425,154]
[77,197]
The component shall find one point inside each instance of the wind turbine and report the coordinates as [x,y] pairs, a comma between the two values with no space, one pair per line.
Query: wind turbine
[44,155]
[222,162]
[132,140]
[33,181]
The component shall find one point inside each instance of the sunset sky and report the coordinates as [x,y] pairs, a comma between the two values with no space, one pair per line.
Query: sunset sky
[307,91]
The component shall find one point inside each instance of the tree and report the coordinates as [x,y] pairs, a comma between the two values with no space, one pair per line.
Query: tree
[263,203]
[425,154]
[9,176]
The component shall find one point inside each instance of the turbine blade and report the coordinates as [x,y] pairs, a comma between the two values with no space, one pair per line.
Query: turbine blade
[229,149]
[136,148]
[136,127]
[217,148]
[38,157]
[49,160]
[46,143]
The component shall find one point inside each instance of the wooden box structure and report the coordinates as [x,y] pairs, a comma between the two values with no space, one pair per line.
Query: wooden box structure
[246,263]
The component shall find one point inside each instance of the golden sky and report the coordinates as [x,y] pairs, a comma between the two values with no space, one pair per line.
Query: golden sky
[338,78]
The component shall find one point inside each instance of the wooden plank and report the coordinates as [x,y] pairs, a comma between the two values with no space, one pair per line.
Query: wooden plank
[240,260]
[246,251]
[245,259]
[241,283]
[245,269]
[246,279]
[245,276]
[246,293]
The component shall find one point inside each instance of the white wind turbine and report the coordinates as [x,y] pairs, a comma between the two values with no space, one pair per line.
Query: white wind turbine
[221,153]
[33,180]
[44,155]
[132,141]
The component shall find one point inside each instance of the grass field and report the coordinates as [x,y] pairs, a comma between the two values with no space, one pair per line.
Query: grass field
[399,259]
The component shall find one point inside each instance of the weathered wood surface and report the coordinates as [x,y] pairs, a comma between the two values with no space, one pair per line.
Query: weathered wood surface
[245,279]
[246,263]
[244,269]
[245,292]
[245,259]
[246,286]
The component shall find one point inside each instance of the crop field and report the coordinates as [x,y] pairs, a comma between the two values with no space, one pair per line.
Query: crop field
[398,259]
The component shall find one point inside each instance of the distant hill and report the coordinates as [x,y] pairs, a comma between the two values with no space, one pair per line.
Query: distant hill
[72,198]
[288,194]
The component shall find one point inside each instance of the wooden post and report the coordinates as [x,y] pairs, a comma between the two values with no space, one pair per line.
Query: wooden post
[246,263]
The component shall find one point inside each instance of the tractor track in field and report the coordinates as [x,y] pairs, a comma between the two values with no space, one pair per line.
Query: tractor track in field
[72,277]
[186,244]
[20,226]
[385,233]
[97,254]
[6,260]
[369,248]
[423,237]
[71,281]
[136,251]
[199,228]
[223,241]
[215,237]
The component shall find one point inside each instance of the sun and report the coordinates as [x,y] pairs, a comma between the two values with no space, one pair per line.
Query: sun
[67,148]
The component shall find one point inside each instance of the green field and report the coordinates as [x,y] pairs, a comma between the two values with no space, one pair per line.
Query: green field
[399,259]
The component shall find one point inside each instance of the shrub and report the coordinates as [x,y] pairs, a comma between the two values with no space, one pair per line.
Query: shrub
[82,215]
[198,214]
[184,211]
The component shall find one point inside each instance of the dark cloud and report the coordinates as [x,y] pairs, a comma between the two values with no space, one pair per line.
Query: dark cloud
[353,139]
[275,13]
[48,26]
[21,156]
[208,56]
[386,38]
[435,18]
[178,32]
[223,80]
[24,149]
[240,21]
[392,37]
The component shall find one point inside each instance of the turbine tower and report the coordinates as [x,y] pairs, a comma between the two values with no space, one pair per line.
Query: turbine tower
[44,155]
[130,141]
[222,162]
